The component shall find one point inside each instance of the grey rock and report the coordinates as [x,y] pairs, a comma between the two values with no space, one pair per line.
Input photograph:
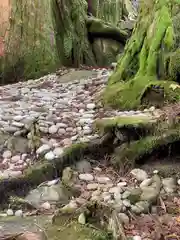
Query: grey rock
[134,195]
[126,194]
[124,218]
[18,213]
[92,186]
[146,182]
[152,192]
[169,184]
[10,212]
[139,174]
[43,149]
[126,203]
[83,166]
[86,177]
[54,194]
[144,205]
[103,180]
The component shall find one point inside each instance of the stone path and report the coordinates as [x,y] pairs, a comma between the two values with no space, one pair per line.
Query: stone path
[65,113]
[132,197]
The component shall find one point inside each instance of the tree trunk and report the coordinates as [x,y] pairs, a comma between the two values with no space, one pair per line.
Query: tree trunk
[76,33]
[148,72]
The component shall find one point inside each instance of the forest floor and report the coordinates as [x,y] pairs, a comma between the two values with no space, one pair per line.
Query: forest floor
[64,107]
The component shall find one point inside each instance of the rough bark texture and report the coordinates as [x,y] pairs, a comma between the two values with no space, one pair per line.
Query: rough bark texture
[149,68]
[76,34]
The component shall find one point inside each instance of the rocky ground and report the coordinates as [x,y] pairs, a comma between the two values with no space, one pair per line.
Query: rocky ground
[60,111]
[146,206]
[64,114]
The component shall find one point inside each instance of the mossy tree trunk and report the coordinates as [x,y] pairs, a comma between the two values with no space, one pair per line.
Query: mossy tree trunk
[149,69]
[75,32]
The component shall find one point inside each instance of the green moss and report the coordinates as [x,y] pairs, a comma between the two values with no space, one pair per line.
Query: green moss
[129,95]
[104,125]
[145,61]
[138,149]
[174,65]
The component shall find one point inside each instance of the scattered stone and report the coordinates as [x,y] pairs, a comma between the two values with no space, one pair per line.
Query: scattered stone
[91,106]
[43,149]
[70,207]
[49,156]
[58,152]
[103,180]
[18,213]
[137,237]
[124,218]
[115,190]
[134,195]
[86,177]
[169,185]
[82,219]
[122,184]
[146,182]
[83,166]
[46,206]
[7,154]
[10,212]
[92,186]
[178,181]
[139,174]
[53,129]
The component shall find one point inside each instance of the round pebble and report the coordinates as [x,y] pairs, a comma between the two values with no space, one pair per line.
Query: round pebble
[86,177]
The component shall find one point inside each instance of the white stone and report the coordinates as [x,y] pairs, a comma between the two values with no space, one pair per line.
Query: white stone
[122,184]
[7,154]
[107,198]
[18,213]
[61,131]
[117,196]
[146,182]
[92,186]
[17,124]
[137,237]
[53,129]
[126,203]
[82,219]
[178,181]
[10,212]
[15,158]
[52,182]
[46,205]
[86,177]
[43,149]
[152,109]
[115,190]
[91,106]
[24,156]
[61,125]
[18,118]
[74,138]
[43,129]
[58,151]
[103,179]
[49,156]
[15,174]
[139,174]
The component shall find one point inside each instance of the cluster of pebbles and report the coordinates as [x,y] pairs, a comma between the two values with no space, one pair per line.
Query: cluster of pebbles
[65,113]
[133,195]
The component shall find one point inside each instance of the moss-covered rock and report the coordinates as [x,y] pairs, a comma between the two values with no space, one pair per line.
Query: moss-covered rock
[43,170]
[137,152]
[105,125]
[145,59]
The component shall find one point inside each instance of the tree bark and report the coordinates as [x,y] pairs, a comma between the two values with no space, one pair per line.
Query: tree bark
[150,65]
[76,33]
